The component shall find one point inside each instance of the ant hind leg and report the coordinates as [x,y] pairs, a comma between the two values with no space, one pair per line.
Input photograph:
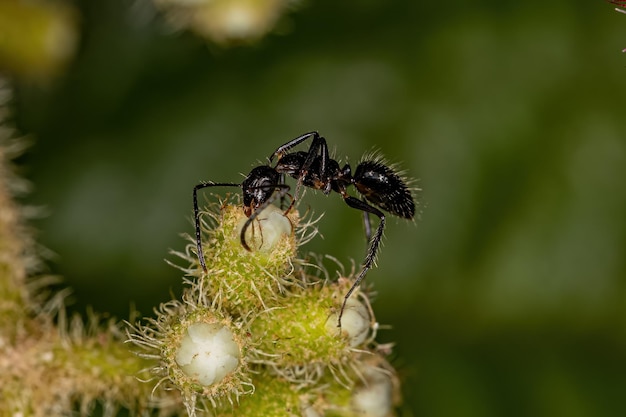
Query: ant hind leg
[372,250]
[367,225]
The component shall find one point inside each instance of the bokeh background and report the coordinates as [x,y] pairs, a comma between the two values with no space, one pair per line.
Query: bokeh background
[507,297]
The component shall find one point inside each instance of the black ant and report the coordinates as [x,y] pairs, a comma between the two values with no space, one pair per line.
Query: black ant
[379,185]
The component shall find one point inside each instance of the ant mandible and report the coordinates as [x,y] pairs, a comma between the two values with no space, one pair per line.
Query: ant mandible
[379,185]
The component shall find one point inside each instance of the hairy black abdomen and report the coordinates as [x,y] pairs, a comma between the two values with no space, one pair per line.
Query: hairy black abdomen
[382,186]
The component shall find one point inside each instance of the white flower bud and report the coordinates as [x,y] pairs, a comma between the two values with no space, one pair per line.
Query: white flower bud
[266,230]
[375,397]
[208,353]
[355,322]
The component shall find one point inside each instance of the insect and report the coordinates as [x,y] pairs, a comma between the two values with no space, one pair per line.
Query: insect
[379,185]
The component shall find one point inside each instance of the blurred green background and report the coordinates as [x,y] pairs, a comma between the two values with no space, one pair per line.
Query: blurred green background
[508,296]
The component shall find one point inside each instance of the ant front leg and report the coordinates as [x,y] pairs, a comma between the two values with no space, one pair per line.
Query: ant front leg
[282,191]
[372,250]
[196,212]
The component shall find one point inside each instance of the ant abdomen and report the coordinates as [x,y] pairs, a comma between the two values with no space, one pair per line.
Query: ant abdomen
[383,187]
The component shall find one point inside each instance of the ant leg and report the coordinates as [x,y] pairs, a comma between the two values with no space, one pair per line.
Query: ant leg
[282,197]
[318,145]
[317,149]
[196,213]
[282,190]
[374,243]
[282,150]
[367,224]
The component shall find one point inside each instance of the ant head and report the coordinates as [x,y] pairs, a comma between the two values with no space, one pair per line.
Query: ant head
[258,187]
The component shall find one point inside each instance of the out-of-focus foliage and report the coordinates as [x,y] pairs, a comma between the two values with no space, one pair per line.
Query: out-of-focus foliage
[225,21]
[37,38]
[509,295]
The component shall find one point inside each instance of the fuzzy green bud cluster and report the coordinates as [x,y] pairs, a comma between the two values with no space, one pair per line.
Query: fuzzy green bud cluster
[257,334]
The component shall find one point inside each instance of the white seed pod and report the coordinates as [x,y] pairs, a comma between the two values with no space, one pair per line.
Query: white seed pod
[208,353]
